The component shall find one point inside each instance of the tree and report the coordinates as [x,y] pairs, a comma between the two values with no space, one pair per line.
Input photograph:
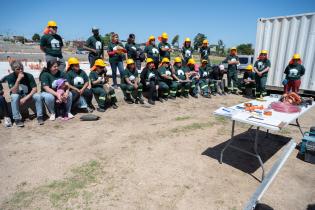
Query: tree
[198,40]
[245,49]
[36,37]
[175,41]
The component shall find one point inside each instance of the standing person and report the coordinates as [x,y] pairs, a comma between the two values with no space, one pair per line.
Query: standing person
[261,67]
[167,85]
[182,77]
[95,45]
[187,51]
[78,84]
[193,76]
[4,108]
[152,51]
[23,90]
[51,44]
[130,84]
[293,73]
[48,78]
[116,53]
[134,51]
[149,79]
[205,82]
[165,48]
[248,85]
[233,61]
[104,93]
[205,51]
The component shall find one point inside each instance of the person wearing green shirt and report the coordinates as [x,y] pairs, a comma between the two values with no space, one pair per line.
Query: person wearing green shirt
[103,92]
[4,107]
[204,50]
[182,77]
[187,51]
[48,79]
[78,84]
[51,44]
[193,76]
[165,48]
[261,68]
[130,84]
[149,79]
[233,61]
[116,53]
[23,90]
[293,73]
[167,85]
[205,82]
[248,85]
[134,51]
[95,45]
[152,51]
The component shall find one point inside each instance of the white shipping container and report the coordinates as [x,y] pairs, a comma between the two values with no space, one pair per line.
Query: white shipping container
[282,37]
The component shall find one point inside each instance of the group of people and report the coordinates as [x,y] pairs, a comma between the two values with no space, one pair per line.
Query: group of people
[64,88]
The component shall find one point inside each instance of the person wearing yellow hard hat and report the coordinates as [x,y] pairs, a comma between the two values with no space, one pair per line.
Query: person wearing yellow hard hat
[232,70]
[103,92]
[261,68]
[293,73]
[205,82]
[187,51]
[205,51]
[95,45]
[149,80]
[78,84]
[193,71]
[165,48]
[152,51]
[182,77]
[167,85]
[51,44]
[248,85]
[130,84]
[116,53]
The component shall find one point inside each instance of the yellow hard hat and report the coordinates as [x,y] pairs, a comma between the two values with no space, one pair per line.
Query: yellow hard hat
[204,61]
[263,52]
[164,35]
[51,24]
[149,60]
[191,61]
[130,61]
[151,38]
[187,40]
[73,60]
[177,60]
[249,67]
[98,62]
[205,41]
[233,48]
[165,60]
[296,56]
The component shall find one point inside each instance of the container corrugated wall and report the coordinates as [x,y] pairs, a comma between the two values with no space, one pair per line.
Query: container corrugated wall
[284,36]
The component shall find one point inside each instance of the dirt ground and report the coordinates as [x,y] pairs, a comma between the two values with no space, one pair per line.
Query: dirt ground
[138,157]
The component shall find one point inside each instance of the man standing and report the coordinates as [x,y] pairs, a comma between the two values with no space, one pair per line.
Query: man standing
[233,61]
[261,68]
[95,45]
[51,44]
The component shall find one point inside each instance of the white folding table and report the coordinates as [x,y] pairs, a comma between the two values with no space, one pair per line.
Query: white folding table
[243,117]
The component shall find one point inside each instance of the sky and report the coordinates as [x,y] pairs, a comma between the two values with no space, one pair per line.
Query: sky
[232,21]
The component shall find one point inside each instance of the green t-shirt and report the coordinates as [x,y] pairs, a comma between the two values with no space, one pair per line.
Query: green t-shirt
[93,76]
[53,44]
[117,57]
[180,72]
[249,75]
[151,75]
[132,50]
[205,71]
[294,71]
[132,75]
[167,71]
[26,84]
[77,79]
[164,54]
[187,52]
[204,52]
[48,79]
[232,67]
[152,52]
[261,65]
[96,43]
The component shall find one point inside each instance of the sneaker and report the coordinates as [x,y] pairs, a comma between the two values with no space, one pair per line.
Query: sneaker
[214,94]
[89,109]
[65,118]
[165,99]
[52,117]
[114,106]
[70,116]
[40,120]
[151,102]
[129,101]
[19,123]
[101,109]
[7,122]
[141,100]
[160,99]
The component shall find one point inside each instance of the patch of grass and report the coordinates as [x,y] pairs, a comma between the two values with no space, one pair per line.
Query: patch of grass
[60,191]
[193,126]
[285,131]
[221,120]
[180,118]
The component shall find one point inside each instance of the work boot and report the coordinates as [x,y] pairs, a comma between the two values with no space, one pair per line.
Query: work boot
[19,123]
[40,120]
[150,101]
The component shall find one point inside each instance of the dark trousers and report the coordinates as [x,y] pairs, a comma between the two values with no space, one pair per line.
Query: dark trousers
[87,94]
[4,107]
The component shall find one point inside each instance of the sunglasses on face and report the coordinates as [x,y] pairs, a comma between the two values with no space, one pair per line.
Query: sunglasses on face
[53,27]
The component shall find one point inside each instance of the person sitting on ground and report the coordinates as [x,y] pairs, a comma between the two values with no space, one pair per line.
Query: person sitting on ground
[216,75]
[149,80]
[101,88]
[130,84]
[61,100]
[193,76]
[205,82]
[48,78]
[293,73]
[78,84]
[4,108]
[182,77]
[23,90]
[248,85]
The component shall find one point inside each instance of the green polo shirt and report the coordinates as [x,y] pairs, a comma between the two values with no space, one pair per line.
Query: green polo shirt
[53,44]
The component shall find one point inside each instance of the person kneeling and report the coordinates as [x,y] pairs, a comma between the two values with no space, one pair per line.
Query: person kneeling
[149,79]
[167,85]
[248,85]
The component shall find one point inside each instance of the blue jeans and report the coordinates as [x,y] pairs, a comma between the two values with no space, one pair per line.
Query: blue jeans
[15,105]
[50,100]
[114,66]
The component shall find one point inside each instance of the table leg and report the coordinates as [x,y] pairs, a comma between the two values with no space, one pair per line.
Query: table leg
[257,155]
[229,142]
[299,126]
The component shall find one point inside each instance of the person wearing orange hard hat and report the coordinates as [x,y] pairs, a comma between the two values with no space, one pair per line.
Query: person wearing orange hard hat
[293,73]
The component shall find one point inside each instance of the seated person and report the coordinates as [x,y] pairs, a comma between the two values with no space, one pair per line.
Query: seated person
[149,79]
[4,109]
[182,77]
[205,82]
[193,76]
[167,85]
[217,77]
[248,85]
